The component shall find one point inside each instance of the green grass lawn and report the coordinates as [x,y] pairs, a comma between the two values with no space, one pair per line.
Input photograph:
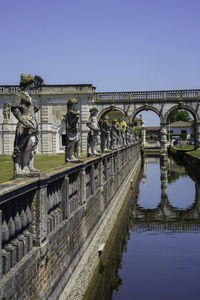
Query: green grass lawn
[41,162]
[195,153]
[183,147]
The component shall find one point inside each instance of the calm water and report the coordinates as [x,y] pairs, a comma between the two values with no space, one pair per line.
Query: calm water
[156,251]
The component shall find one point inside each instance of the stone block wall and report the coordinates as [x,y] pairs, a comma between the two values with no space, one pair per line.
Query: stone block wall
[48,223]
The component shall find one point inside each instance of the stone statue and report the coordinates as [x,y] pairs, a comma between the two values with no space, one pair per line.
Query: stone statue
[93,133]
[118,134]
[105,134]
[132,136]
[26,135]
[72,148]
[114,135]
[123,135]
[6,111]
[127,135]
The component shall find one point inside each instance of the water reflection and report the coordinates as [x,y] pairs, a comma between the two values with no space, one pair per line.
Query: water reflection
[159,239]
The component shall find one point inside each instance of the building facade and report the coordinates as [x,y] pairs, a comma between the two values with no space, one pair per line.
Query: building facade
[52,101]
[180,127]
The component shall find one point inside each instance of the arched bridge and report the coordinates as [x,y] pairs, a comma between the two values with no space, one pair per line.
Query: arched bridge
[161,102]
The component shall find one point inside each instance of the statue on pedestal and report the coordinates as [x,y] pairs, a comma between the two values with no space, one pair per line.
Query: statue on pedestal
[26,135]
[127,135]
[119,134]
[93,133]
[123,135]
[114,135]
[105,134]
[72,148]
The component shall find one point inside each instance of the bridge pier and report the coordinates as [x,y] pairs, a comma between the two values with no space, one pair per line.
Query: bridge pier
[163,143]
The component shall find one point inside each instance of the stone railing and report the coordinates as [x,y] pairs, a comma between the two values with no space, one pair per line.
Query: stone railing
[148,96]
[16,231]
[51,89]
[108,96]
[12,89]
[34,212]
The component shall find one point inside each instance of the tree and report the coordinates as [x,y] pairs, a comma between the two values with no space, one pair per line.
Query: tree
[39,80]
[178,115]
[138,130]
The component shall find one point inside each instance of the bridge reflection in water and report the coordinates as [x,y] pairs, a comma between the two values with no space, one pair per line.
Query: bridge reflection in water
[155,252]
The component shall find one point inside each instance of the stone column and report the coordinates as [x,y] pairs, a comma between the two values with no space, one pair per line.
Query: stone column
[112,166]
[7,149]
[41,217]
[83,186]
[164,180]
[163,142]
[101,174]
[65,197]
[143,135]
[92,181]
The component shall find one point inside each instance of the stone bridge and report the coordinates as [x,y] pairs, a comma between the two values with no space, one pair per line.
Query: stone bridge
[160,102]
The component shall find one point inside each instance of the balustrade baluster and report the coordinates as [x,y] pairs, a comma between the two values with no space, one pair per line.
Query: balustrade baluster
[28,214]
[11,225]
[27,233]
[9,247]
[24,225]
[17,221]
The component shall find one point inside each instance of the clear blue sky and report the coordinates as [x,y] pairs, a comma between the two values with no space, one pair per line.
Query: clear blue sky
[124,45]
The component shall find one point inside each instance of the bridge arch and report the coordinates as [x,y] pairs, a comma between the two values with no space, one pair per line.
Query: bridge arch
[111,109]
[146,107]
[182,106]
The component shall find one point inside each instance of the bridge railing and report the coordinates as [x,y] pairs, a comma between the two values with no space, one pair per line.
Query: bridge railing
[147,96]
[32,209]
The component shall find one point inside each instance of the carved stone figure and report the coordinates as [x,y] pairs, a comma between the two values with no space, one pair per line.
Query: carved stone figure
[123,135]
[114,134]
[105,134]
[72,148]
[26,135]
[118,134]
[6,111]
[132,136]
[127,134]
[93,133]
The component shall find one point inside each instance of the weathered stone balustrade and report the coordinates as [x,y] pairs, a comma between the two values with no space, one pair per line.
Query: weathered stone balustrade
[48,222]
[148,95]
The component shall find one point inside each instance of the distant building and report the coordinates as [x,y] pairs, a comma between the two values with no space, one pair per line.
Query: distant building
[180,127]
[138,121]
[152,133]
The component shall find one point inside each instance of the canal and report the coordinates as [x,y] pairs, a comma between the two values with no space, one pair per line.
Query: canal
[154,251]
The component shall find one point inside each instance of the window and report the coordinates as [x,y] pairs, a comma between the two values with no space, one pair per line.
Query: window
[183,131]
[63,139]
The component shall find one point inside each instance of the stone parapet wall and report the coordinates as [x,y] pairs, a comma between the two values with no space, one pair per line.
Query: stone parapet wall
[49,223]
